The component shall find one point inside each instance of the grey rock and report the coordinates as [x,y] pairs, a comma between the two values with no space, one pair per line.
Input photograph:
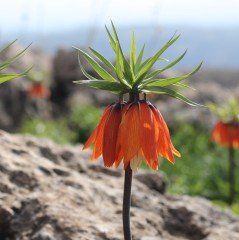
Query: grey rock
[154,181]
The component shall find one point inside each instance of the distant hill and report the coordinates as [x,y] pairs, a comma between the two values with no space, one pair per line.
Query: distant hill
[218,48]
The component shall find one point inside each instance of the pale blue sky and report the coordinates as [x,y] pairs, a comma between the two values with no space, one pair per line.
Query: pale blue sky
[49,15]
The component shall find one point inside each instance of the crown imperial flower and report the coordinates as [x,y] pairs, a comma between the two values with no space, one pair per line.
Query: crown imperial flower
[132,131]
[226,133]
[226,130]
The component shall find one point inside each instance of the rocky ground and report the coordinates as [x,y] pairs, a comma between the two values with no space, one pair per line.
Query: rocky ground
[52,192]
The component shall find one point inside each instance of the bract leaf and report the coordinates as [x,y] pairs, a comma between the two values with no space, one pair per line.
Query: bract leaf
[169,81]
[101,71]
[171,93]
[114,87]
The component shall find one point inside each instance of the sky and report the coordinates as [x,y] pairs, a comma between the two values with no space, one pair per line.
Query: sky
[53,15]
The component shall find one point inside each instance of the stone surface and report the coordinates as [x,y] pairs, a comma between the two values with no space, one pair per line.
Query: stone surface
[52,192]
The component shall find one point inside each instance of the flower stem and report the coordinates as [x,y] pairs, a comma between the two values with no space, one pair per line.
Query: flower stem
[232,166]
[133,96]
[127,203]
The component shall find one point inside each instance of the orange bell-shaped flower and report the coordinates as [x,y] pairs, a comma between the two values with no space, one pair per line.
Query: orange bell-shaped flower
[226,134]
[132,132]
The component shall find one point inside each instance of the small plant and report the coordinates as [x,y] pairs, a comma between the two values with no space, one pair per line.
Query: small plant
[226,133]
[132,131]
[4,77]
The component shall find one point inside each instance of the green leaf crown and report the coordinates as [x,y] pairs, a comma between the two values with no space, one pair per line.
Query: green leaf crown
[135,75]
[229,112]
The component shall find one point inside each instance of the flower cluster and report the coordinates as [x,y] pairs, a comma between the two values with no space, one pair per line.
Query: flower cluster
[132,132]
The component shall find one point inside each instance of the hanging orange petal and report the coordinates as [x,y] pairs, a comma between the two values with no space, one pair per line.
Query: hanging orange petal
[148,135]
[92,137]
[99,136]
[164,144]
[111,135]
[129,133]
[119,157]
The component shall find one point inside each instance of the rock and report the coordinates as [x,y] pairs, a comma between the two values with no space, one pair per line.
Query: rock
[13,104]
[154,181]
[53,192]
[66,69]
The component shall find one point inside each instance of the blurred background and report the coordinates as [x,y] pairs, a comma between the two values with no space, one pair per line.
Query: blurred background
[47,104]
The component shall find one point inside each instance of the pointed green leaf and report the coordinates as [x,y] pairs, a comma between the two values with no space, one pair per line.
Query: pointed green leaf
[114,31]
[102,59]
[169,81]
[84,71]
[128,73]
[101,71]
[14,58]
[139,59]
[171,93]
[173,63]
[147,65]
[7,46]
[133,53]
[111,39]
[7,77]
[147,61]
[183,85]
[114,87]
[11,76]
[119,63]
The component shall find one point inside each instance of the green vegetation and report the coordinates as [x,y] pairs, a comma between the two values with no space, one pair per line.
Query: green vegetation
[202,169]
[57,130]
[83,120]
[73,129]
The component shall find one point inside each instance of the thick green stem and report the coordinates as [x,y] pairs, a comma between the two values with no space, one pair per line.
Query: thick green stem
[127,203]
[232,166]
